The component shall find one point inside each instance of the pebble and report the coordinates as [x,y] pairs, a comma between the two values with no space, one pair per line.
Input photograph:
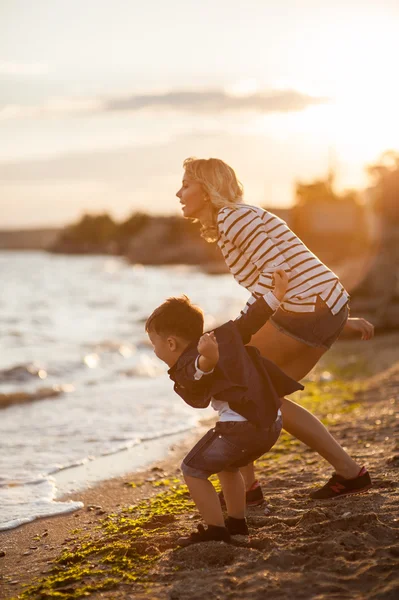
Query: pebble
[347,514]
[14,582]
[32,547]
[27,553]
[2,553]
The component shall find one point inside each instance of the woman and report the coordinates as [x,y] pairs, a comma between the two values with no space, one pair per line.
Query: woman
[255,243]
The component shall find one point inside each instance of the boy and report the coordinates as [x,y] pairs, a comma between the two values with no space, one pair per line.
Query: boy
[242,386]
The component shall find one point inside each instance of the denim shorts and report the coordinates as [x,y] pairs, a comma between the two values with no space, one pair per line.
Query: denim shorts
[229,446]
[318,329]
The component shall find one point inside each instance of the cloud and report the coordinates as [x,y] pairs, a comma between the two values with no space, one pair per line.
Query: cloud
[26,69]
[197,101]
[212,101]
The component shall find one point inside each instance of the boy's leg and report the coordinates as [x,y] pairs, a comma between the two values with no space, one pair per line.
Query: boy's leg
[233,487]
[206,500]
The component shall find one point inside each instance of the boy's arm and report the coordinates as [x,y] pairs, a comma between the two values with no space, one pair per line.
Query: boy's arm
[208,350]
[262,309]
[191,381]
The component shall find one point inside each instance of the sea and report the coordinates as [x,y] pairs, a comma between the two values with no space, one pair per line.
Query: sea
[73,345]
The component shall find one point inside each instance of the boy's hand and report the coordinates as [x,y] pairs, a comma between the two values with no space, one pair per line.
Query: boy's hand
[280,279]
[208,348]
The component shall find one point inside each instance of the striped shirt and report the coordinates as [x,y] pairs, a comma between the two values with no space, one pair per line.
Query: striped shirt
[255,243]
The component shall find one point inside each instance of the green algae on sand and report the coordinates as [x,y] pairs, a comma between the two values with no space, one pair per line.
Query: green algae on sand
[121,550]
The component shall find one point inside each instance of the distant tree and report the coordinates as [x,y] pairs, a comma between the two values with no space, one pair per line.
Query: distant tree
[133,224]
[384,176]
[92,229]
[314,193]
[322,191]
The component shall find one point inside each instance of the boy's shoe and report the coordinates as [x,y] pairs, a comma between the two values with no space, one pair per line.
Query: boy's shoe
[212,533]
[236,526]
[339,486]
[254,496]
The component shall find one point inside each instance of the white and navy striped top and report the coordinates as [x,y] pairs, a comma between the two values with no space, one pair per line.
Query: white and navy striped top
[255,243]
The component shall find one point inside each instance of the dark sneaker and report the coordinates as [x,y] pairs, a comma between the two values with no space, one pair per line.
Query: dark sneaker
[212,533]
[236,526]
[339,486]
[254,495]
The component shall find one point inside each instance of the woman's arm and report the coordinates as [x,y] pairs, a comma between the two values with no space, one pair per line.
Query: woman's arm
[245,230]
[365,328]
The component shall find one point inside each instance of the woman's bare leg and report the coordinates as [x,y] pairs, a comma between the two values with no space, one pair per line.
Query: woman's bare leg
[297,360]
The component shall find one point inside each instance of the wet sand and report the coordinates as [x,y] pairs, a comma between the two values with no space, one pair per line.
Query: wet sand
[123,543]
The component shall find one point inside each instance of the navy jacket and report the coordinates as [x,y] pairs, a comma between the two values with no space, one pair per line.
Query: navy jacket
[251,384]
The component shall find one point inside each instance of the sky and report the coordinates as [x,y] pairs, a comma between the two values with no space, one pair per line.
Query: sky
[102,100]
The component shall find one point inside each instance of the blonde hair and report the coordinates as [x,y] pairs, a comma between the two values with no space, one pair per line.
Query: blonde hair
[220,183]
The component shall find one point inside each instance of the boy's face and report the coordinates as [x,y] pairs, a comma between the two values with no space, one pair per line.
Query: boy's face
[165,347]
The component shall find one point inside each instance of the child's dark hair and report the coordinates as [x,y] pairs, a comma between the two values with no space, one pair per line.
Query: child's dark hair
[177,316]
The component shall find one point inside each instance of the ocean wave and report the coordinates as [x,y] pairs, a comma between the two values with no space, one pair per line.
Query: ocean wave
[24,503]
[23,372]
[12,398]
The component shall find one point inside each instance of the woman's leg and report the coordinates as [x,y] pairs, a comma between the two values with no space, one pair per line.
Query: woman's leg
[297,359]
[234,493]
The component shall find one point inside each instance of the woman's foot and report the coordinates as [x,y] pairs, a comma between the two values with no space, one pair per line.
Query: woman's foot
[211,533]
[339,486]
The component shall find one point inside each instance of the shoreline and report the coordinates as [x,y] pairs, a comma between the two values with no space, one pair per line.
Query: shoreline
[118,464]
[70,481]
[40,541]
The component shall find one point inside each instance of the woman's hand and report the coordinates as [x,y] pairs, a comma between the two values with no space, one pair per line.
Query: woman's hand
[362,326]
[208,349]
[280,279]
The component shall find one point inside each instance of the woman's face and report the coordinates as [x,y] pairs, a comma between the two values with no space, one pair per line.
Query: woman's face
[192,198]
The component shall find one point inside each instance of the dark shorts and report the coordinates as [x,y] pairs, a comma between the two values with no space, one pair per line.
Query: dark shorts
[229,446]
[318,329]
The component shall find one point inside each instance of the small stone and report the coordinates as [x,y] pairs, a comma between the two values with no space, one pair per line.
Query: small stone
[27,553]
[14,582]
[68,539]
[347,514]
[32,547]
[2,553]
[45,534]
[93,507]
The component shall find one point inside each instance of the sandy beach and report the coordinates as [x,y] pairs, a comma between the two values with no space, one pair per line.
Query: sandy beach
[122,544]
